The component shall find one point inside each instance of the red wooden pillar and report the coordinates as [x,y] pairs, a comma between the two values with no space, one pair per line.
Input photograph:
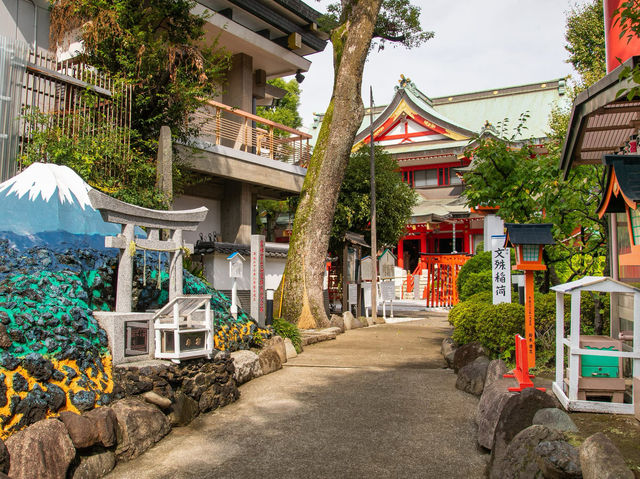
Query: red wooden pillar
[401,253]
[423,243]
[466,244]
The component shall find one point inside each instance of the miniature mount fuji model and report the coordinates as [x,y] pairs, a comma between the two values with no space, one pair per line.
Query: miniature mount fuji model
[49,205]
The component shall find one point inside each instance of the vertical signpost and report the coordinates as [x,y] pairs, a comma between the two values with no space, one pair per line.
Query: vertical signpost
[258,303]
[501,270]
[528,240]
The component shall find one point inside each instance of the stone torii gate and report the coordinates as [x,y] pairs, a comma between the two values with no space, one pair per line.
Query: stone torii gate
[181,330]
[130,216]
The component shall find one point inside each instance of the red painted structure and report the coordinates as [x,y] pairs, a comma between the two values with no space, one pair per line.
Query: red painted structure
[618,49]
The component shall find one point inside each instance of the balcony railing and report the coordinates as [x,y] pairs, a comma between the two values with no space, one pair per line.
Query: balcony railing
[220,124]
[68,97]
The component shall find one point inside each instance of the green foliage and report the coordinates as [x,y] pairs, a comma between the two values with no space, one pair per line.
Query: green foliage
[159,47]
[480,297]
[476,283]
[398,23]
[480,262]
[464,319]
[95,150]
[285,110]
[585,41]
[497,326]
[394,200]
[530,189]
[285,329]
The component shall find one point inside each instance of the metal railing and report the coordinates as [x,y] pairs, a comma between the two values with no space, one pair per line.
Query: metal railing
[75,99]
[220,124]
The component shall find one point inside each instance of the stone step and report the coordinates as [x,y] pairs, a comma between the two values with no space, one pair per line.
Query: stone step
[312,336]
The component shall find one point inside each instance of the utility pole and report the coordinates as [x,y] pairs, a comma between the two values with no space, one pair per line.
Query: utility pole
[374,239]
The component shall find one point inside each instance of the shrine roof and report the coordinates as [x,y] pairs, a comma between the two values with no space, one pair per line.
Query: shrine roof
[473,110]
[435,210]
[539,233]
[627,169]
[596,283]
[467,113]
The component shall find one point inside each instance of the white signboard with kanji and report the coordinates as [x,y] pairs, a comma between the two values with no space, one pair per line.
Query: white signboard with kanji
[501,270]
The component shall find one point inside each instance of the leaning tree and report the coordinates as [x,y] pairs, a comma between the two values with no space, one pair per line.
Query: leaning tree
[352,25]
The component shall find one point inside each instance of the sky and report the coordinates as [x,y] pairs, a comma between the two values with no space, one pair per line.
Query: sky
[478,45]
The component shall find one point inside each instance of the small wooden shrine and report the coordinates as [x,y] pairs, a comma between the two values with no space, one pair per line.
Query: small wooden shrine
[595,370]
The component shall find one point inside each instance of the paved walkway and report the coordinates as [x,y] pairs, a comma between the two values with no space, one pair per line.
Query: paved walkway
[374,403]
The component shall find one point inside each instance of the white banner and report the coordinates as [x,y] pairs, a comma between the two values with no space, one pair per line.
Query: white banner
[501,270]
[387,290]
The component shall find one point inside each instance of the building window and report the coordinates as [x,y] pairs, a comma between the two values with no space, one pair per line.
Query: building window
[634,216]
[425,178]
[530,252]
[624,242]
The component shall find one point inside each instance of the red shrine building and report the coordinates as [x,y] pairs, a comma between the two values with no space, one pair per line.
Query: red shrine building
[429,137]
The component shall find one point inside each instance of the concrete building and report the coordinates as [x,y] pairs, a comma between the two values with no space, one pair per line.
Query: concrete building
[239,156]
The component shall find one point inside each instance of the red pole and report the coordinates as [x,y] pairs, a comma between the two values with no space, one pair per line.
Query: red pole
[529,328]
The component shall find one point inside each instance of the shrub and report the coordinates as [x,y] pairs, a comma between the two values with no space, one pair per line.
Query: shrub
[497,326]
[480,262]
[480,297]
[285,329]
[476,283]
[464,318]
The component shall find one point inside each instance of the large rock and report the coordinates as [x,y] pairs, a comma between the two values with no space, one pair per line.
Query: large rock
[81,429]
[467,354]
[520,458]
[43,450]
[471,377]
[140,426]
[4,458]
[493,398]
[558,460]
[94,466]
[247,366]
[357,323]
[599,459]
[105,423]
[277,344]
[154,398]
[347,318]
[336,321]
[366,321]
[269,361]
[290,349]
[447,346]
[496,370]
[449,359]
[516,415]
[555,419]
[183,410]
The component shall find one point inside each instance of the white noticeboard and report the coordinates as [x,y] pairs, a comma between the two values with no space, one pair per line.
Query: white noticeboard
[366,288]
[353,293]
[500,270]
[387,290]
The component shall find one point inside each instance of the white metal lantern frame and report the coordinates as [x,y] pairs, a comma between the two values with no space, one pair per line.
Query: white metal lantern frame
[569,396]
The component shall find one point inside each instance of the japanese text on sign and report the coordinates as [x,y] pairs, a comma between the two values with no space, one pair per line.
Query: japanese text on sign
[501,270]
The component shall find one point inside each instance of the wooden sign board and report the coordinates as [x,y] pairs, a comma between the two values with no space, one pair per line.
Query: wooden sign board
[366,268]
[386,264]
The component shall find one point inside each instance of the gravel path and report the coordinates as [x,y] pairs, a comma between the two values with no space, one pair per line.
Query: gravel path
[376,402]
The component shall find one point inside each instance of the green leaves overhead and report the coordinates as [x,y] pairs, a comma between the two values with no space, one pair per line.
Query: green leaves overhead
[398,23]
[394,200]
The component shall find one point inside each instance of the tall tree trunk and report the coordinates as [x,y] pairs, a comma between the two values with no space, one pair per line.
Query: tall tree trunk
[303,301]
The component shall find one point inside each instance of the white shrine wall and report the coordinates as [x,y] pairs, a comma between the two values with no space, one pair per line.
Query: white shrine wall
[210,224]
